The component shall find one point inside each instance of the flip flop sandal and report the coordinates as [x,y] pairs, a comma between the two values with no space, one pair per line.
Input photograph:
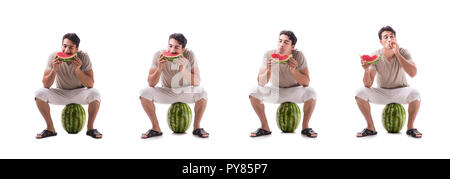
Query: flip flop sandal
[261,132]
[414,133]
[94,133]
[367,132]
[152,133]
[46,133]
[309,132]
[201,133]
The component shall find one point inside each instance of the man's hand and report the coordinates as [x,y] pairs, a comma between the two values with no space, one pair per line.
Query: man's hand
[395,47]
[293,64]
[182,62]
[56,63]
[160,62]
[77,62]
[365,65]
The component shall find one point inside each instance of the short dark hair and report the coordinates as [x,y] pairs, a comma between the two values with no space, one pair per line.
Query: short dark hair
[180,38]
[291,36]
[386,28]
[72,37]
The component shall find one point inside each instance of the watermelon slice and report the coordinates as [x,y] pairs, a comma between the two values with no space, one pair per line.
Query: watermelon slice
[371,59]
[170,56]
[282,59]
[65,57]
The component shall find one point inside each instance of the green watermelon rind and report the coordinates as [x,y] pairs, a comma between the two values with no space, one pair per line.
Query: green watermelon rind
[288,117]
[73,118]
[67,59]
[393,117]
[179,117]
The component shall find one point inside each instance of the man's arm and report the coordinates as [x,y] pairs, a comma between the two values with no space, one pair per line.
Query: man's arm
[408,65]
[369,76]
[155,73]
[86,78]
[195,77]
[153,76]
[264,73]
[301,76]
[50,74]
[49,78]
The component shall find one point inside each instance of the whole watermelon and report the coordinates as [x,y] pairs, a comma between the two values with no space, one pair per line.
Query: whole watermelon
[394,117]
[73,118]
[179,117]
[288,116]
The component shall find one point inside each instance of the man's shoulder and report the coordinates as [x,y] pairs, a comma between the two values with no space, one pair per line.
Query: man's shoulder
[297,52]
[83,55]
[298,55]
[403,50]
[189,54]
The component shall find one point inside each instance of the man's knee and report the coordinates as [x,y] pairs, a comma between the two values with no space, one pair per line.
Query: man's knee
[362,94]
[201,95]
[147,93]
[93,95]
[310,94]
[414,95]
[42,94]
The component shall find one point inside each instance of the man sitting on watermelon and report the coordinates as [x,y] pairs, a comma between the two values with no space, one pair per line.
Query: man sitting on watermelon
[179,74]
[392,85]
[72,70]
[288,73]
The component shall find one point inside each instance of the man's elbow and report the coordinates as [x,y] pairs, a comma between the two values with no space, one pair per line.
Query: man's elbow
[151,84]
[413,74]
[368,85]
[90,84]
[305,82]
[46,85]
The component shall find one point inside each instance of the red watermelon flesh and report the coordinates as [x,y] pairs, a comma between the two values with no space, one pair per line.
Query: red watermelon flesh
[281,58]
[66,57]
[170,56]
[371,59]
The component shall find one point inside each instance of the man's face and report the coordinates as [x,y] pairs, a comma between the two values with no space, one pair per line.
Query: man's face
[68,47]
[285,45]
[387,37]
[175,47]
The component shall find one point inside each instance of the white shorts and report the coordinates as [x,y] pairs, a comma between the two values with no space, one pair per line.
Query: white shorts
[163,95]
[404,95]
[63,97]
[298,94]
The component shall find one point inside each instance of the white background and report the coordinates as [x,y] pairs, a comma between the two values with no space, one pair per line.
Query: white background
[229,39]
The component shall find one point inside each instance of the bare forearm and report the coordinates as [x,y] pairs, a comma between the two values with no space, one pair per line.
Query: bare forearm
[408,66]
[264,77]
[301,78]
[195,79]
[153,78]
[85,79]
[367,79]
[49,79]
